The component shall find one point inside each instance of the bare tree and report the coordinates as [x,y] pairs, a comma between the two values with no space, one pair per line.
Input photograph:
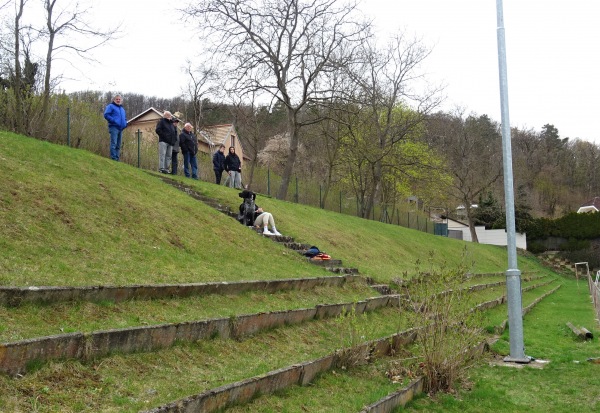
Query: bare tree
[390,112]
[472,147]
[255,125]
[20,124]
[280,48]
[67,28]
[202,82]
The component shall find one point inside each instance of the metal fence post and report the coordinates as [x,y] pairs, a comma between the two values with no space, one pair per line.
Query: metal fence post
[139,133]
[296,188]
[68,126]
[320,194]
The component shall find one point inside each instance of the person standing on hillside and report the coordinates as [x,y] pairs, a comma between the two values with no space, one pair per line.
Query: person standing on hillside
[219,163]
[175,151]
[189,149]
[167,136]
[233,166]
[117,121]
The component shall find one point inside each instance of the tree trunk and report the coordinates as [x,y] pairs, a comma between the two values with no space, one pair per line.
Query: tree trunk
[327,186]
[46,96]
[471,223]
[373,192]
[252,167]
[19,124]
[291,160]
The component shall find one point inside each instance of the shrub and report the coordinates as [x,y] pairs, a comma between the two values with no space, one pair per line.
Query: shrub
[575,245]
[450,328]
[536,247]
[589,255]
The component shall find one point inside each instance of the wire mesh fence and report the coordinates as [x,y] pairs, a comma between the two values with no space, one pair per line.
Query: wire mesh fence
[142,152]
[595,292]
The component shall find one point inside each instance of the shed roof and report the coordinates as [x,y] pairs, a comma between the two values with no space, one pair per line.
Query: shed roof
[217,134]
[146,112]
[593,205]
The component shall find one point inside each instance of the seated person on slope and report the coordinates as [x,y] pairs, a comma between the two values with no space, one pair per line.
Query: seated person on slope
[260,217]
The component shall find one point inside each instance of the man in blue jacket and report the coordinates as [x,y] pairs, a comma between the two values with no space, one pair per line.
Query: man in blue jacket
[117,121]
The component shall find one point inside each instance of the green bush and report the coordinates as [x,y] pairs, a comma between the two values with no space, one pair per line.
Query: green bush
[574,227]
[536,247]
[575,245]
[588,255]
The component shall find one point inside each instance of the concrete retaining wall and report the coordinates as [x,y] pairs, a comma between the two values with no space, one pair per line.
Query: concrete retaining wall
[398,398]
[15,296]
[14,357]
[299,374]
[302,374]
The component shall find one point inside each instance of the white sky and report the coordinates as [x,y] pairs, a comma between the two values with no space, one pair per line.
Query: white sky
[552,55]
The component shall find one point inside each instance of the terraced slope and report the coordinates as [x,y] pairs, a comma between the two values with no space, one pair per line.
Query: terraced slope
[70,218]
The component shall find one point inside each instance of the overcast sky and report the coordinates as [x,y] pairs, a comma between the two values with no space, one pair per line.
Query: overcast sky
[552,55]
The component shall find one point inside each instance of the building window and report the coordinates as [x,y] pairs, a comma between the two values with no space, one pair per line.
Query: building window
[233,140]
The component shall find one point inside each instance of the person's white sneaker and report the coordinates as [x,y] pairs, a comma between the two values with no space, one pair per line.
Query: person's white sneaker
[267,232]
[275,232]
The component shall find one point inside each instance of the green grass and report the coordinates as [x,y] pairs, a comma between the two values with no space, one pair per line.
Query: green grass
[72,218]
[567,383]
[42,320]
[69,217]
[128,383]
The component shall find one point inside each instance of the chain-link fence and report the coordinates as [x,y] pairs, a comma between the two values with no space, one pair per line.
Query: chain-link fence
[595,292]
[142,152]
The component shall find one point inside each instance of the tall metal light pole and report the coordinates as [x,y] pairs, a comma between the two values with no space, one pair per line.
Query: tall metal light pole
[513,275]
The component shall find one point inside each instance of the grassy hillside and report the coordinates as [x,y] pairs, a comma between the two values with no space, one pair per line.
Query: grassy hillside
[73,218]
[69,217]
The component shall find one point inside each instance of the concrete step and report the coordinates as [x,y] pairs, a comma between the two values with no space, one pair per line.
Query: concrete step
[296,246]
[326,263]
[343,270]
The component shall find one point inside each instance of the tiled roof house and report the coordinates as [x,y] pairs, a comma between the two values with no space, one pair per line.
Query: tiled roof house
[209,137]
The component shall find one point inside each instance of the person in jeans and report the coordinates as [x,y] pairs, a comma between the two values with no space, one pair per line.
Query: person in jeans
[189,149]
[233,166]
[117,121]
[167,136]
[175,151]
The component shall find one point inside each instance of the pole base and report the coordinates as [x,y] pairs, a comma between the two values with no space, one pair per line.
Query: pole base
[519,360]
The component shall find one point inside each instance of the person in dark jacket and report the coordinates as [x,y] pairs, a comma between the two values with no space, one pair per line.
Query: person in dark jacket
[189,148]
[219,163]
[117,121]
[175,151]
[167,136]
[233,166]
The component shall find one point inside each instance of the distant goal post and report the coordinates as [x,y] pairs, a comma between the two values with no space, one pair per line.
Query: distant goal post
[584,266]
